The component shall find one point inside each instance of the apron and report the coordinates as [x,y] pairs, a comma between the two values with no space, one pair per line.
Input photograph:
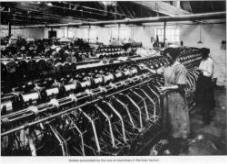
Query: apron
[177,105]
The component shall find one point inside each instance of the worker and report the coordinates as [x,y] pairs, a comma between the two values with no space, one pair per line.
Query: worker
[205,94]
[175,80]
[181,43]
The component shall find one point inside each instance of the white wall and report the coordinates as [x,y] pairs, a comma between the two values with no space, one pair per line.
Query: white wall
[36,33]
[212,35]
[143,34]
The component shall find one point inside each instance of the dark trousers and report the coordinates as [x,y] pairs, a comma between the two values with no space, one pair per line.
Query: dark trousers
[205,97]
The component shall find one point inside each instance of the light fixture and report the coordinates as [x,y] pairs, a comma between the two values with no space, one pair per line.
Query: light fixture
[200,35]
[108,3]
[75,7]
[2,8]
[49,4]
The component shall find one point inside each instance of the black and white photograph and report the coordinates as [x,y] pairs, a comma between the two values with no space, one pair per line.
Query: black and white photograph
[113,78]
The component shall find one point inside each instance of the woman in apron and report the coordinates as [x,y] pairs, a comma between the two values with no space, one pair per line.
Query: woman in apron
[175,80]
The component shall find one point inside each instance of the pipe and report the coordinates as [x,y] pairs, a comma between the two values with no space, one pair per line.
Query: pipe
[191,17]
[163,19]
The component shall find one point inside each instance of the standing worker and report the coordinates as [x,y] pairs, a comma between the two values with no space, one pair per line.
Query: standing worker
[205,93]
[175,79]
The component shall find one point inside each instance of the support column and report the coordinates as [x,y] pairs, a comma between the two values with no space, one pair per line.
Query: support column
[66,32]
[118,31]
[9,25]
[89,30]
[164,37]
[9,28]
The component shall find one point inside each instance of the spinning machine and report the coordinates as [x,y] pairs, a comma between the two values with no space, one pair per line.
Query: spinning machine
[108,109]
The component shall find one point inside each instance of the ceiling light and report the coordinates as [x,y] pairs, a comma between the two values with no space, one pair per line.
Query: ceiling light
[49,4]
[75,7]
[2,8]
[200,35]
[109,3]
[106,3]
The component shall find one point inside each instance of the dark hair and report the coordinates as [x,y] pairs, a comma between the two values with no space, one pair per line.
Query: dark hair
[181,43]
[173,53]
[205,53]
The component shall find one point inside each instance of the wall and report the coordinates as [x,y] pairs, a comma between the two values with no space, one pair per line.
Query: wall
[36,33]
[211,36]
[105,34]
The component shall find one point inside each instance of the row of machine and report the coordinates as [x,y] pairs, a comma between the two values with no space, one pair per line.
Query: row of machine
[98,109]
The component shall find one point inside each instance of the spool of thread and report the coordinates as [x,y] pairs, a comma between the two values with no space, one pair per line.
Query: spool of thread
[33,109]
[55,103]
[70,87]
[52,91]
[73,97]
[8,106]
[30,96]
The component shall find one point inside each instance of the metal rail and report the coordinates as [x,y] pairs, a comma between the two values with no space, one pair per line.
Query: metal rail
[70,109]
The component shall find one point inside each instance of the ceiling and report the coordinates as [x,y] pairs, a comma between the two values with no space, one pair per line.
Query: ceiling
[204,6]
[30,13]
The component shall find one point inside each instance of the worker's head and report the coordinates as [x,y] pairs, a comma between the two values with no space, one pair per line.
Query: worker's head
[171,54]
[205,53]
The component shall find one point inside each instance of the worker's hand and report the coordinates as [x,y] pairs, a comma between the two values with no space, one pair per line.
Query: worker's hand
[196,68]
[164,88]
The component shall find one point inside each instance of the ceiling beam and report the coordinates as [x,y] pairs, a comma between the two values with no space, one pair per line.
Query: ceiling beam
[162,7]
[166,8]
[187,6]
[125,9]
[101,10]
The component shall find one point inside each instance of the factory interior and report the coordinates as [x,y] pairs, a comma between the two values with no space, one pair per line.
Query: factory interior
[113,78]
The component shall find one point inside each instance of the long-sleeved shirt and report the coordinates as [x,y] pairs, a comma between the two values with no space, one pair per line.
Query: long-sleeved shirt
[174,74]
[207,67]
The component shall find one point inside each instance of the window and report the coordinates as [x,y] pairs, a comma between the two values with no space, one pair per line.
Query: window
[121,33]
[93,34]
[124,33]
[172,34]
[114,33]
[82,33]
